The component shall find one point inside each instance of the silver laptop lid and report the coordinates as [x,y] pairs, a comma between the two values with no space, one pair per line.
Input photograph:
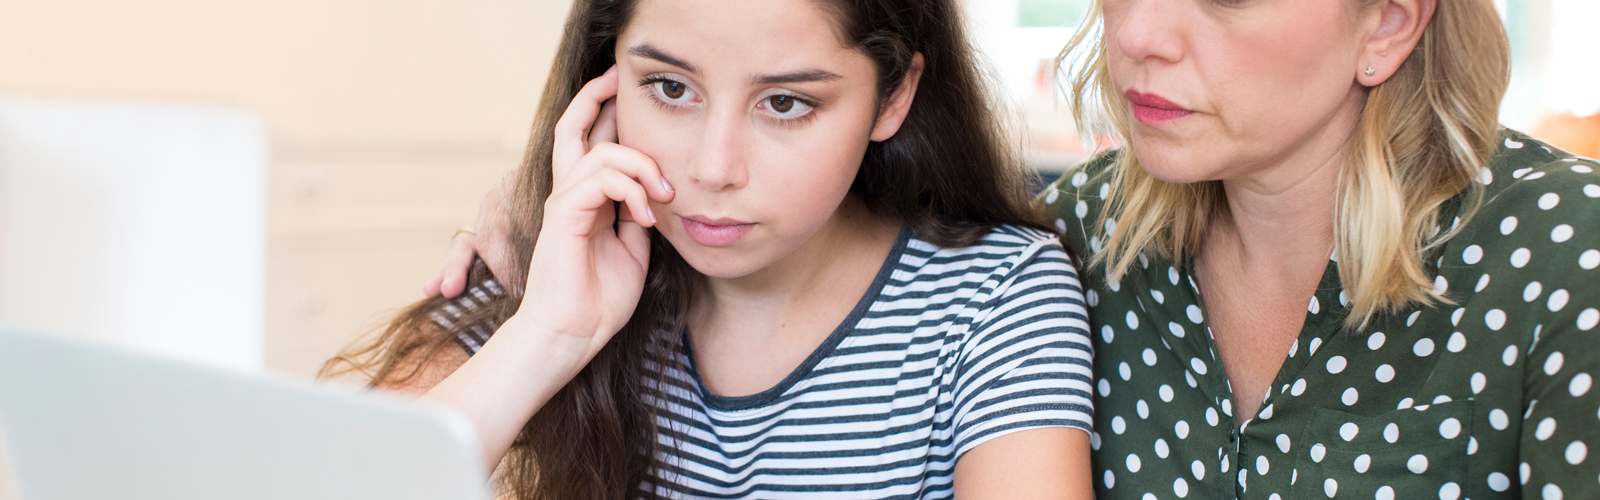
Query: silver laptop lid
[88,422]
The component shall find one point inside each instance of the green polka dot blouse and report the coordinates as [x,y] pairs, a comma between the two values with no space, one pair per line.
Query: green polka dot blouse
[1489,397]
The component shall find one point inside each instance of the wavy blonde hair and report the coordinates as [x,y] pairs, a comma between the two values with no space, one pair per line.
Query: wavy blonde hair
[1424,135]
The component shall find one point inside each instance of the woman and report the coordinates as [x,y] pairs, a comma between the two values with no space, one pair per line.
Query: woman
[787,277]
[1398,293]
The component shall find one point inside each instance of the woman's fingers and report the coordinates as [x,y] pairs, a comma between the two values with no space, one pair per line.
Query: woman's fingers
[605,127]
[585,200]
[572,130]
[629,162]
[456,264]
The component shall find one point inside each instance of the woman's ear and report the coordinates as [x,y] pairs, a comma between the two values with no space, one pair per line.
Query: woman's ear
[894,111]
[1399,25]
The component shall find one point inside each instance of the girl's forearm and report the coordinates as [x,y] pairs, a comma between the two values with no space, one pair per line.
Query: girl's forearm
[515,373]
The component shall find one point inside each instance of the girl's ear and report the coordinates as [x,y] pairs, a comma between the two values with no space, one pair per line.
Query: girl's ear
[1397,27]
[894,111]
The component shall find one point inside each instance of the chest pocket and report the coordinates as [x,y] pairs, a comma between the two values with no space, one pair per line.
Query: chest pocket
[1417,452]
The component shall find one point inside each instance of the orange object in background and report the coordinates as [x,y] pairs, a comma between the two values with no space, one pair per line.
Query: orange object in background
[1579,136]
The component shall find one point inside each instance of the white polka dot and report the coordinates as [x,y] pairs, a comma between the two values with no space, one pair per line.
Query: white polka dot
[1118,425]
[1198,469]
[1315,343]
[1142,408]
[1535,175]
[1105,190]
[1485,177]
[1105,388]
[1081,209]
[1590,259]
[1508,224]
[1188,378]
[1423,347]
[1391,433]
[1350,397]
[1315,306]
[1561,233]
[1549,201]
[1348,431]
[1172,275]
[1384,493]
[1526,472]
[1161,298]
[1551,492]
[1520,257]
[1198,366]
[1262,465]
[1591,191]
[1546,428]
[1177,330]
[1344,298]
[1479,382]
[1133,321]
[1588,318]
[1509,357]
[1051,198]
[1442,399]
[1483,282]
[1148,496]
[1224,466]
[1362,463]
[1450,428]
[1450,491]
[1580,384]
[1576,452]
[1317,452]
[1330,487]
[1133,463]
[1582,169]
[1227,407]
[1107,334]
[1417,464]
[1194,314]
[1079,178]
[1456,343]
[1149,357]
[1384,373]
[1375,340]
[1498,419]
[1336,364]
[1125,371]
[1165,392]
[1181,429]
[1455,317]
[1404,403]
[1162,449]
[1283,443]
[1211,417]
[1298,388]
[1412,319]
[1498,481]
[1472,445]
[1472,254]
[1511,144]
[1552,364]
[1111,479]
[1495,318]
[1266,413]
[1532,291]
[1558,300]
[1440,285]
[1180,488]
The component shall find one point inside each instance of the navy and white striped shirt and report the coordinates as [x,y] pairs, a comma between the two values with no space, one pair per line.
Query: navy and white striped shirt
[950,347]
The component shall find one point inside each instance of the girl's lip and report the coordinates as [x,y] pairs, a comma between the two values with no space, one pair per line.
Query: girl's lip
[1152,109]
[715,232]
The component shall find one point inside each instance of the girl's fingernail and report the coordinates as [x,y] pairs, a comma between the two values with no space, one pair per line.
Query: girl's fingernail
[651,213]
[610,71]
[667,185]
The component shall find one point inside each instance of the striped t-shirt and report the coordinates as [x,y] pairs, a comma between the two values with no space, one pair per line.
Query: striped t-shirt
[950,347]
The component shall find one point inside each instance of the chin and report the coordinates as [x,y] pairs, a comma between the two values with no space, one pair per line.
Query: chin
[1172,163]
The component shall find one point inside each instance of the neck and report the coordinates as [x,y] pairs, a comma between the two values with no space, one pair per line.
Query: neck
[845,254]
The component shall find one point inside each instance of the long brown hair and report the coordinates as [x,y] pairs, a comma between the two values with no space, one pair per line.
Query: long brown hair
[948,172]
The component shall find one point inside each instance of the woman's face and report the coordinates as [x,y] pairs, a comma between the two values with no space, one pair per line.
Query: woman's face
[1222,89]
[757,115]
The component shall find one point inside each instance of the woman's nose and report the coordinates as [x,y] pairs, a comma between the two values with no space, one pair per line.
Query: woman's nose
[1147,30]
[721,162]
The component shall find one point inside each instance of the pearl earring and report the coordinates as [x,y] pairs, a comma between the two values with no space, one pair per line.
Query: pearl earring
[1371,71]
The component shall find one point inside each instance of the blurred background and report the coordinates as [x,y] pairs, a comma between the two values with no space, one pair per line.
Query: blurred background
[253,183]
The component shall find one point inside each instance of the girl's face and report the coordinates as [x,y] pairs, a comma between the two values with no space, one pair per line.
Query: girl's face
[757,115]
[1221,88]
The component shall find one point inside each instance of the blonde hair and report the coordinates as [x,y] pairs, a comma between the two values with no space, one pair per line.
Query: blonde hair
[1423,136]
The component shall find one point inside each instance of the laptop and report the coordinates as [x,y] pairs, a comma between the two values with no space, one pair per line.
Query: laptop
[84,422]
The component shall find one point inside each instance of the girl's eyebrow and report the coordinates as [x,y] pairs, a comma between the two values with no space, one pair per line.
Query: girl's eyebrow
[648,51]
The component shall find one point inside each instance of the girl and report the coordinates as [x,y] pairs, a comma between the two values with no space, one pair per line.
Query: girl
[806,268]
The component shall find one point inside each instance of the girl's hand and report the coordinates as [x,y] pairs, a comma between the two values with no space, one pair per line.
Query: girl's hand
[588,269]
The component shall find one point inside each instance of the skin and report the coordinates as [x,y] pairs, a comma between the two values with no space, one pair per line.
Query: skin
[1276,88]
[717,145]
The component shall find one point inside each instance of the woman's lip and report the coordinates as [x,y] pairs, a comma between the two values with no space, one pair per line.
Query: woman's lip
[1152,109]
[715,232]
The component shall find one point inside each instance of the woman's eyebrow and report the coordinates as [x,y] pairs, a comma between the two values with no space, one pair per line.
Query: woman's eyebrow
[648,51]
[803,76]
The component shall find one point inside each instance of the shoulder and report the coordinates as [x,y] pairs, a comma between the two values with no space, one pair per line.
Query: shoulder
[1535,195]
[1004,250]
[1074,202]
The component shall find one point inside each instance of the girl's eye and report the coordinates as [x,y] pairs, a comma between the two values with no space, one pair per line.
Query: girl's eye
[787,106]
[672,91]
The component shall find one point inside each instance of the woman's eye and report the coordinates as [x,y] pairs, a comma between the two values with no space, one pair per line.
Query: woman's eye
[787,106]
[673,92]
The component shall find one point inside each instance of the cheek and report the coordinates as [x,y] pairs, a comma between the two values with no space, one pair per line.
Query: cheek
[1277,78]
